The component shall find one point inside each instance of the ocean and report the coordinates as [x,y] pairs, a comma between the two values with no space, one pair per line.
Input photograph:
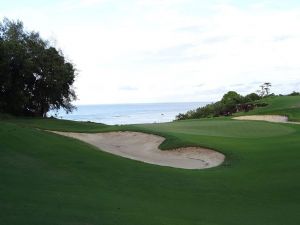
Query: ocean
[128,113]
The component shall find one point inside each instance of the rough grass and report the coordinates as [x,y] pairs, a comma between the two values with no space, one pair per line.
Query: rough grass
[49,179]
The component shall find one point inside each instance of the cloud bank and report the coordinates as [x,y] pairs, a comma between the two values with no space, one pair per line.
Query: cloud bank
[158,51]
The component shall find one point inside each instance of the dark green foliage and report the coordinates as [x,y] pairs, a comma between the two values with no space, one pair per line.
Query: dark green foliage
[252,97]
[231,102]
[34,76]
[294,93]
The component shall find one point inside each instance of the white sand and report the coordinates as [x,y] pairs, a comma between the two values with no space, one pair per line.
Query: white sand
[268,118]
[144,147]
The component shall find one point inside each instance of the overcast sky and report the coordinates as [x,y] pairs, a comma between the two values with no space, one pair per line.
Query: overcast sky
[133,51]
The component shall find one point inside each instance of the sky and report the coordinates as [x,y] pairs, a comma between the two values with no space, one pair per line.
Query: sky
[140,51]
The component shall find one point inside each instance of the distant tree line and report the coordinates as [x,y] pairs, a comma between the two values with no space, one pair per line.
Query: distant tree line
[294,93]
[232,102]
[35,77]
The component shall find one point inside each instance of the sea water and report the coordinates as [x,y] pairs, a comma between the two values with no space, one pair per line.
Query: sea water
[128,113]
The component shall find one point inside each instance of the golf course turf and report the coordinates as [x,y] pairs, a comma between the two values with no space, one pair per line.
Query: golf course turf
[49,179]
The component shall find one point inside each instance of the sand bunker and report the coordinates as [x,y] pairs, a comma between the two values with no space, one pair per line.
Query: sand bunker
[268,118]
[144,147]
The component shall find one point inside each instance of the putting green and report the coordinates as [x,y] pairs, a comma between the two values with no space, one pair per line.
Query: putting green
[224,128]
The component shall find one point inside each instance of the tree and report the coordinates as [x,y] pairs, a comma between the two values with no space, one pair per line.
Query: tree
[35,77]
[230,97]
[252,97]
[267,86]
[294,93]
[230,101]
[261,92]
[264,89]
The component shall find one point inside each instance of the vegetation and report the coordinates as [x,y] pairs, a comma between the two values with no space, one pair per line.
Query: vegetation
[278,105]
[231,102]
[264,89]
[35,77]
[50,179]
[234,103]
[294,93]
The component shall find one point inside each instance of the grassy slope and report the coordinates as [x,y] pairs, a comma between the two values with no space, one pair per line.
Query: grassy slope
[49,179]
[285,105]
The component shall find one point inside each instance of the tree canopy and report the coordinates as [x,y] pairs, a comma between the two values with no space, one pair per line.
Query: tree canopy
[35,77]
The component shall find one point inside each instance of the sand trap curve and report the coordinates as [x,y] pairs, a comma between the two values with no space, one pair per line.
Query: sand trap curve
[144,147]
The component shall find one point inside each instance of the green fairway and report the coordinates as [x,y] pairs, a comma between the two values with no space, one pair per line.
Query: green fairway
[223,128]
[49,179]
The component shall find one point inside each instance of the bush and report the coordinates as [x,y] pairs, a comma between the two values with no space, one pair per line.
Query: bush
[294,93]
[231,102]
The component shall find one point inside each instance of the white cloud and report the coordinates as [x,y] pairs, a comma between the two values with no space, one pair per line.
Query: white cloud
[162,53]
[70,5]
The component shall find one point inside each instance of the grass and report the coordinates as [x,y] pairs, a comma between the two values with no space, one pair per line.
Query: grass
[284,105]
[50,179]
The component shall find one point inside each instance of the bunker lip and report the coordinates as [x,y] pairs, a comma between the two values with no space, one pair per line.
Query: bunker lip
[144,147]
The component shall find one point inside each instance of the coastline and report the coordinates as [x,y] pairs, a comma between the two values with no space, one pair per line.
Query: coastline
[121,114]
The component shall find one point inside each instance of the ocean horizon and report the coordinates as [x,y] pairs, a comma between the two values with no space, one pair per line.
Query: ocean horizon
[132,113]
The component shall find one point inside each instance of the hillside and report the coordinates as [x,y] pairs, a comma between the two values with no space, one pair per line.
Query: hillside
[279,105]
